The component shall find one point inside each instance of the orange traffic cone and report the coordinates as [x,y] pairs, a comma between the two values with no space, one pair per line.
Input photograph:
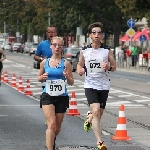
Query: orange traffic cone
[121,131]
[20,85]
[13,82]
[5,77]
[2,77]
[73,106]
[28,89]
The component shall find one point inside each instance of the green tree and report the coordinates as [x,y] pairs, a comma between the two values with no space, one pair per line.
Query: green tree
[84,12]
[135,8]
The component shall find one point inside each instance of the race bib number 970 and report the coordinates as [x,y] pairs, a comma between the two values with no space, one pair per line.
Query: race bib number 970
[55,87]
[94,65]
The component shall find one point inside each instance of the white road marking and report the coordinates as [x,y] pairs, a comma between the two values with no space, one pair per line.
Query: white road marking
[142,100]
[115,91]
[110,96]
[125,95]
[81,86]
[105,133]
[81,105]
[118,103]
[81,99]
[18,105]
[17,65]
[78,81]
[34,89]
[35,82]
[78,94]
[70,90]
[37,93]
[7,61]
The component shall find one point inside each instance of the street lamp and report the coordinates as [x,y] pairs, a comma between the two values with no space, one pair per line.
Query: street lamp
[4,19]
[49,19]
[4,34]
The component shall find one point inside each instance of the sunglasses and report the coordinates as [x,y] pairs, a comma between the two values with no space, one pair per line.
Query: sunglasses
[55,45]
[96,32]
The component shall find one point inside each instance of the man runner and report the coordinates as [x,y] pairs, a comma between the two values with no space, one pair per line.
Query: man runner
[96,60]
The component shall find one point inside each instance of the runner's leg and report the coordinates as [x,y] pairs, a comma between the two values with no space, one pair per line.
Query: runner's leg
[96,120]
[49,111]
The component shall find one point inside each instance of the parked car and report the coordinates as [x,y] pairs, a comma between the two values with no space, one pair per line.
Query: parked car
[33,48]
[16,46]
[8,46]
[27,47]
[2,45]
[20,48]
[72,55]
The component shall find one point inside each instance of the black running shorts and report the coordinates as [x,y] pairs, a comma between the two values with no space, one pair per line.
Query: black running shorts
[61,103]
[1,67]
[96,96]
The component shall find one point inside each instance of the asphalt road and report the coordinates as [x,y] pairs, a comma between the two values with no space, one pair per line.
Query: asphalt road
[27,129]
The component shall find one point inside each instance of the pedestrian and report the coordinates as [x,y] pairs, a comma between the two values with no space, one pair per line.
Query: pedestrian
[98,59]
[120,55]
[55,100]
[134,53]
[2,57]
[128,56]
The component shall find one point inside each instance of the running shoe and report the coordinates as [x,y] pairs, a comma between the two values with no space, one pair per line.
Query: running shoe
[101,146]
[87,124]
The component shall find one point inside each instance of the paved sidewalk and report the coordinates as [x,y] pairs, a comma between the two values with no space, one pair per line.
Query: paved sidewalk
[134,70]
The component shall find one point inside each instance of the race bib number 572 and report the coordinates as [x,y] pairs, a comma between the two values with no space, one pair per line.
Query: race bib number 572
[94,65]
[55,87]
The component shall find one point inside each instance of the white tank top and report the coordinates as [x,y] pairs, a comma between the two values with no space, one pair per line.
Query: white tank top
[96,78]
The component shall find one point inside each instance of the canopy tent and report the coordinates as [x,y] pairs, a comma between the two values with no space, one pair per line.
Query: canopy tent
[124,38]
[137,35]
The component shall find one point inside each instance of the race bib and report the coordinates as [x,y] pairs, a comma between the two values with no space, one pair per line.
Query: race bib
[55,87]
[94,65]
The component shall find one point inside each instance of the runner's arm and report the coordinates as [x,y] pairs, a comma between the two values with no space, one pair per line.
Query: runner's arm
[41,71]
[3,54]
[38,53]
[37,58]
[69,77]
[81,62]
[112,61]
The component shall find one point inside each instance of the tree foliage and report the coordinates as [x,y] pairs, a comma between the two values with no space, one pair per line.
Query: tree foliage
[31,16]
[134,8]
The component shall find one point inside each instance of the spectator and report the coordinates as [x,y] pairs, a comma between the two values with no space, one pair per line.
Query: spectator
[134,52]
[128,56]
[120,55]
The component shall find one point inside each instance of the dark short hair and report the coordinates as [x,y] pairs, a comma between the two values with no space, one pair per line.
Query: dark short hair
[50,26]
[93,25]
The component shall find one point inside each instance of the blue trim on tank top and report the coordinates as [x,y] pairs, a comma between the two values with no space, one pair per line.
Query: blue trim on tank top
[59,66]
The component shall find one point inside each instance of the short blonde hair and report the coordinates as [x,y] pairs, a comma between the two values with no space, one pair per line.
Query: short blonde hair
[57,37]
